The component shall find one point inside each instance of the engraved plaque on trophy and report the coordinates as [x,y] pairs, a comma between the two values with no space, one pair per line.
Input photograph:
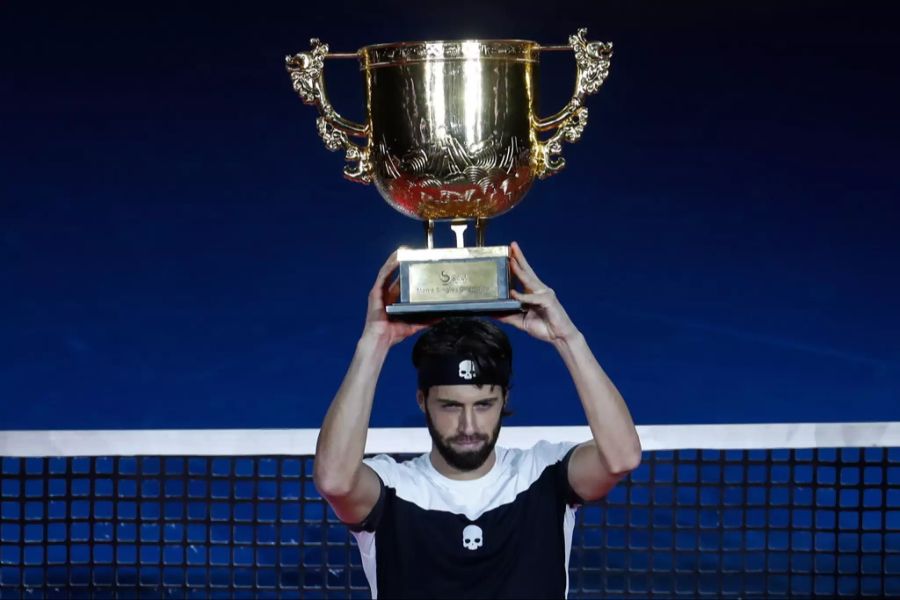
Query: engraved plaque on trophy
[452,137]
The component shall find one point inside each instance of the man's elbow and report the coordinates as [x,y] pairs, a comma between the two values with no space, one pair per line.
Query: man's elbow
[627,462]
[625,465]
[330,482]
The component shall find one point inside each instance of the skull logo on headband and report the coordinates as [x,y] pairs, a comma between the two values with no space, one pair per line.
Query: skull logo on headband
[467,370]
[456,369]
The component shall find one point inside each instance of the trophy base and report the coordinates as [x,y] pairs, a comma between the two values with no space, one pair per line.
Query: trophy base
[437,281]
[475,308]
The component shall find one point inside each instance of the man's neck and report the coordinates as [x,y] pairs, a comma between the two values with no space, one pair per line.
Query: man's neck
[450,472]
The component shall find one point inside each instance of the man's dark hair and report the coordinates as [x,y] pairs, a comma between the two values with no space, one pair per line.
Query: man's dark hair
[478,340]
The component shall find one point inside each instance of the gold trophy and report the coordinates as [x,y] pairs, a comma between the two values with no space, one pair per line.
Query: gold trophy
[452,136]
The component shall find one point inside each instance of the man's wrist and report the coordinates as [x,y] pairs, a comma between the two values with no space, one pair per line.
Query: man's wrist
[569,341]
[375,343]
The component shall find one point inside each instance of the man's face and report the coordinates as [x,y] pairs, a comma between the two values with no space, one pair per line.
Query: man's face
[464,421]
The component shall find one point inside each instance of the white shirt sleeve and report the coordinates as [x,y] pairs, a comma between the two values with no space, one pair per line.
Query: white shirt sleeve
[385,467]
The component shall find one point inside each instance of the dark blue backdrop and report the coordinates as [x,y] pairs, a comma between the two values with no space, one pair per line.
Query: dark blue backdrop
[178,249]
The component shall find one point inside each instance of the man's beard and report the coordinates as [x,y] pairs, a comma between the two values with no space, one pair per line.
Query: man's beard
[467,460]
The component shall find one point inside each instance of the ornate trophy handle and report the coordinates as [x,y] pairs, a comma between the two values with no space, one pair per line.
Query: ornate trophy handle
[307,75]
[592,59]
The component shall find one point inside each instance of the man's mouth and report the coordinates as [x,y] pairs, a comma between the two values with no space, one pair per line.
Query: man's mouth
[468,442]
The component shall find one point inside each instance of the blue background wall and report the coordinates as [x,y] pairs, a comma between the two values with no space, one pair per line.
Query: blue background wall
[178,249]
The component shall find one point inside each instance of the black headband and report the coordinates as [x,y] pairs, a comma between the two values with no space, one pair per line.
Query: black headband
[458,370]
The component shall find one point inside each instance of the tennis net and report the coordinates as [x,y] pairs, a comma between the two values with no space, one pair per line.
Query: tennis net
[768,511]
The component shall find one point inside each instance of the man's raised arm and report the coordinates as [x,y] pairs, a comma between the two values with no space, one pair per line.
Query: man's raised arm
[595,466]
[344,481]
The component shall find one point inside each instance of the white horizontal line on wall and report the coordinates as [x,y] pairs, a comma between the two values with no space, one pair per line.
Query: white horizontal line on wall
[248,442]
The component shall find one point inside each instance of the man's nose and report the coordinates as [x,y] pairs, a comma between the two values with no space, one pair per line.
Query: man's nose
[467,421]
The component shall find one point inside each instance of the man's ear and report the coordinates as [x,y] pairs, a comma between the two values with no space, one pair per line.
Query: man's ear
[504,410]
[420,398]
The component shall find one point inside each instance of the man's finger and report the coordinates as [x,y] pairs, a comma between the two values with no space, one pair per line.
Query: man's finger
[536,299]
[514,319]
[417,327]
[387,268]
[528,278]
[381,288]
[391,292]
[520,256]
[390,284]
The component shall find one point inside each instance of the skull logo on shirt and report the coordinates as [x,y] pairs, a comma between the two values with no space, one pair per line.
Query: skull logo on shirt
[473,538]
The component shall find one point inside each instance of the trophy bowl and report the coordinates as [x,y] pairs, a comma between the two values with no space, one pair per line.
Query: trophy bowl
[452,134]
[451,125]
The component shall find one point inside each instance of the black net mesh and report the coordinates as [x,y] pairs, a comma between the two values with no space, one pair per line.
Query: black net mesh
[745,523]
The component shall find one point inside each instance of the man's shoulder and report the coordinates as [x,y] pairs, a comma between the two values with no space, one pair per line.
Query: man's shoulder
[393,472]
[535,458]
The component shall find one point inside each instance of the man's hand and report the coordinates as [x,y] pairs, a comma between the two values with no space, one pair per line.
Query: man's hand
[544,316]
[386,291]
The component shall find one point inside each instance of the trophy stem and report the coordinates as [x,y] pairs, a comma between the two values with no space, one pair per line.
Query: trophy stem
[429,232]
[480,227]
[459,227]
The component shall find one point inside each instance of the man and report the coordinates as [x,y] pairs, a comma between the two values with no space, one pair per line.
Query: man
[468,519]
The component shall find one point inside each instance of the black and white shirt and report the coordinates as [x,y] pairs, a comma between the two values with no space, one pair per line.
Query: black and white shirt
[505,535]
